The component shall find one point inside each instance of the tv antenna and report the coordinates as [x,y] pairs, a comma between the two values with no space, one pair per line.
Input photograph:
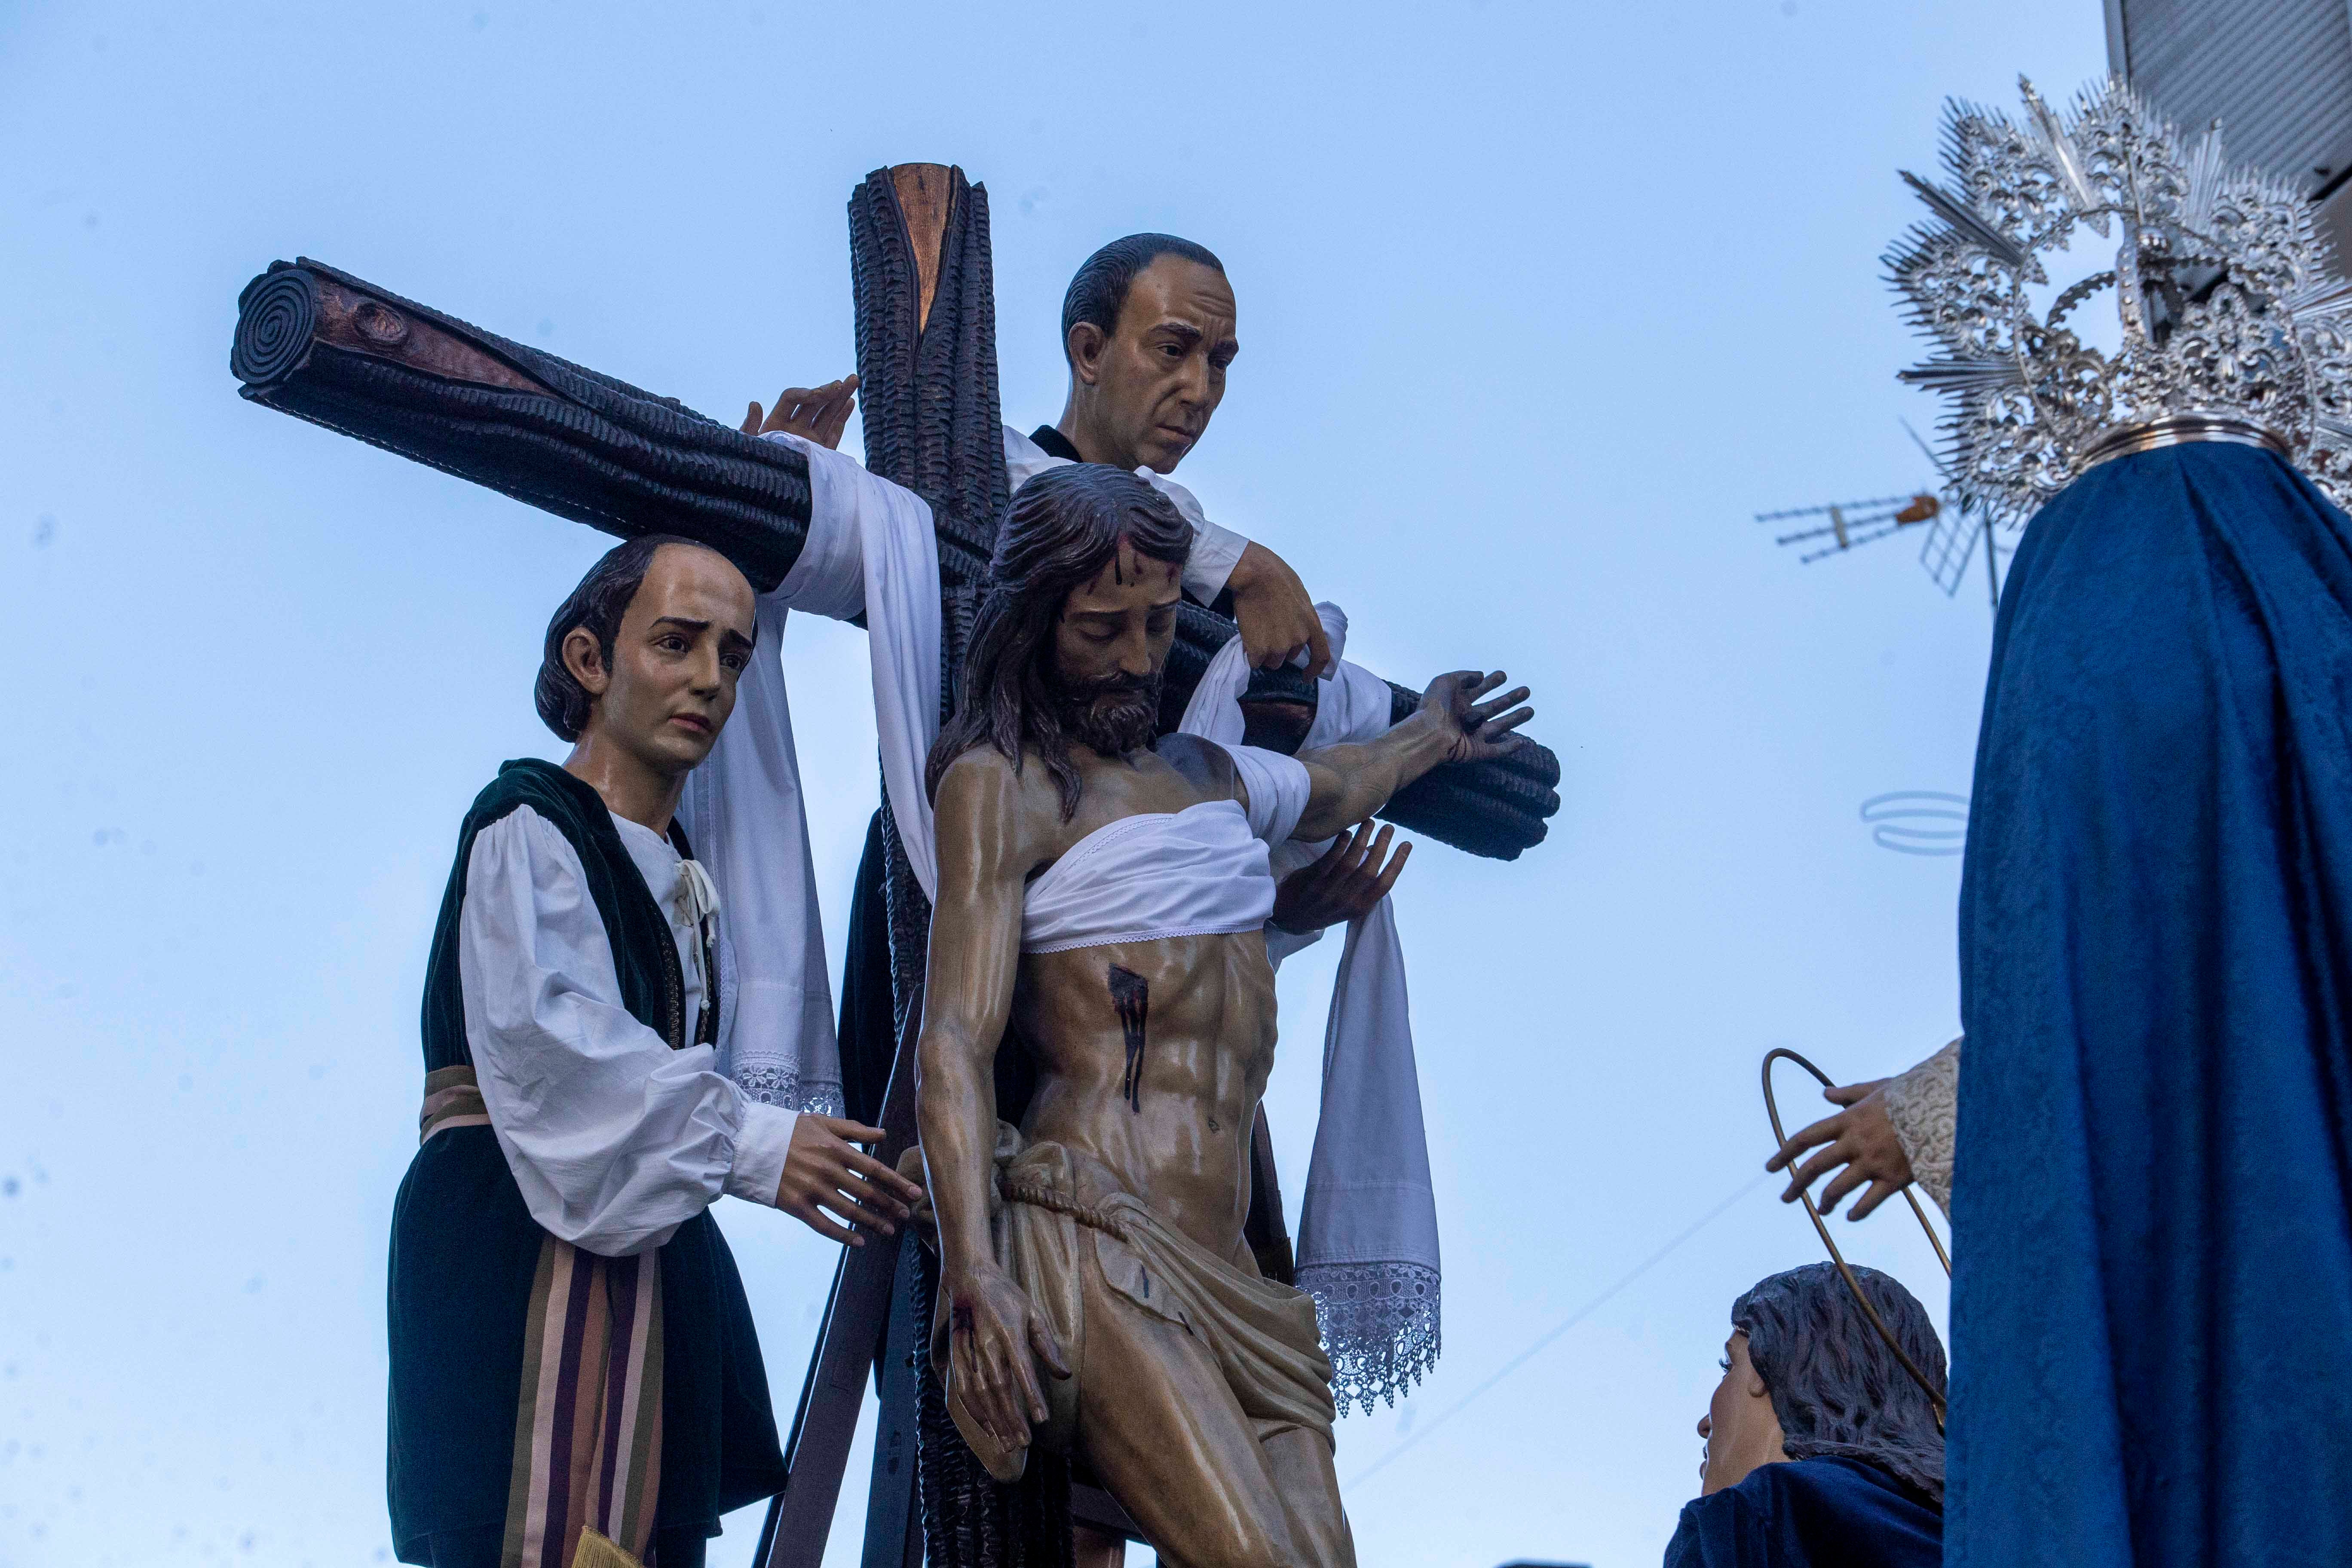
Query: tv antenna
[1952,526]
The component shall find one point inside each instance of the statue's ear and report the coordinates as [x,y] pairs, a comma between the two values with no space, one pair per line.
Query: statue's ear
[584,658]
[1086,346]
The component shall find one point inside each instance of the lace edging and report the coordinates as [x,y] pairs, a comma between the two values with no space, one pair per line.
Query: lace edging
[1381,1327]
[779,1083]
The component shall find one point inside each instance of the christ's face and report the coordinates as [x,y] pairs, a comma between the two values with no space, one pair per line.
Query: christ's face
[1161,373]
[684,641]
[1110,646]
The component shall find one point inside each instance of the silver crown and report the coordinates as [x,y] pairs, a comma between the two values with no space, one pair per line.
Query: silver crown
[2233,322]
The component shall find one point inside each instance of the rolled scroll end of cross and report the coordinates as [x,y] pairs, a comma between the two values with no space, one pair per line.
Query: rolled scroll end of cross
[339,352]
[295,306]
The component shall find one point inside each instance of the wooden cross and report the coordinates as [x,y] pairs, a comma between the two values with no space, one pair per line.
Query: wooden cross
[342,352]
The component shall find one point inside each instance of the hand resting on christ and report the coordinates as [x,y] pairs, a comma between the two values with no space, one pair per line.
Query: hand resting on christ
[824,1170]
[1345,884]
[1276,615]
[1861,1138]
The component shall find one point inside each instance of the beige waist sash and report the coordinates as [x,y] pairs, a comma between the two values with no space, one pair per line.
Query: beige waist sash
[453,1098]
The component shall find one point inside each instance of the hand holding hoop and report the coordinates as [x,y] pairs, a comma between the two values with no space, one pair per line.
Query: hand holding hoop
[1773,1108]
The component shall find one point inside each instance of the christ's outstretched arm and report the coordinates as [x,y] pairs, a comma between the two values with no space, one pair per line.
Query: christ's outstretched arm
[1347,783]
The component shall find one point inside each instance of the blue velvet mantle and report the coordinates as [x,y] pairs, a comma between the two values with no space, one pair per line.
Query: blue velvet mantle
[2152,1313]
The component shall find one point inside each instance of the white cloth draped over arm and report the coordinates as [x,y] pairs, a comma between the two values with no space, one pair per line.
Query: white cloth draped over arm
[871,550]
[1215,550]
[780,1047]
[614,1139]
[1368,1245]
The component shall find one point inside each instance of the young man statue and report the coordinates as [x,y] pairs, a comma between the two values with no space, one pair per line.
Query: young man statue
[572,1355]
[1106,902]
[1821,1452]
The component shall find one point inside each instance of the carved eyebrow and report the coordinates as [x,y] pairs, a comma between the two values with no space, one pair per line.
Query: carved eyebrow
[730,639]
[1183,331]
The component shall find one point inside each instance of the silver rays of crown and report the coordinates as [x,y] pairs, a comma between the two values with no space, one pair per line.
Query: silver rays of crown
[2233,321]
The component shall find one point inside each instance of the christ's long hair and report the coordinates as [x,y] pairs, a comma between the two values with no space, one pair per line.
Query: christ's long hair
[1834,1385]
[1063,527]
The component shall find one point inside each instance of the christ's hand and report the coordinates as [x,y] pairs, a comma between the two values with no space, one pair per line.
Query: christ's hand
[1861,1138]
[1345,885]
[819,414]
[996,1330]
[1478,731]
[824,1170]
[1276,617]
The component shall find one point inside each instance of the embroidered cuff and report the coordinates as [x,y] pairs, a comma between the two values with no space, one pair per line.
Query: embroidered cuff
[1924,1104]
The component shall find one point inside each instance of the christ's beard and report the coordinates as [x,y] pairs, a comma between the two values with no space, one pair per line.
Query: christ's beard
[1114,716]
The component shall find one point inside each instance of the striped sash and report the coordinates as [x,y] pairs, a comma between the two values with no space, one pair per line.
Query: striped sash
[588,1427]
[587,1448]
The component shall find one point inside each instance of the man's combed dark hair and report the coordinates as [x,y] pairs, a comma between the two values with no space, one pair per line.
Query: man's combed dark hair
[1063,527]
[1098,292]
[1836,1388]
[598,604]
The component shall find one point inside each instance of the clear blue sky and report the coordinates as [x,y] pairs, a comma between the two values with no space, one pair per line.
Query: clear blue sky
[1538,304]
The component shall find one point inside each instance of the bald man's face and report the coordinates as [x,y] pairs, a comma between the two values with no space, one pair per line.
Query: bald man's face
[1161,373]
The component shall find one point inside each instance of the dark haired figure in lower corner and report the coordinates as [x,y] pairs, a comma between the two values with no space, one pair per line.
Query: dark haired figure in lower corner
[1821,1450]
[575,1379]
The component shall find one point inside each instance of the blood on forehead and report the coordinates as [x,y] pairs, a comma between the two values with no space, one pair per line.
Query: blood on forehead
[1127,573]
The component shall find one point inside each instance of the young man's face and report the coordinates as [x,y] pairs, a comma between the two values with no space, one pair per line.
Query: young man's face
[683,642]
[1111,647]
[1161,373]
[1741,1429]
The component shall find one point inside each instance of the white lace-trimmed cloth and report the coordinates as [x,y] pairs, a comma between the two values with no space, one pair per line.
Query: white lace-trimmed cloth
[1924,1104]
[1367,1228]
[870,550]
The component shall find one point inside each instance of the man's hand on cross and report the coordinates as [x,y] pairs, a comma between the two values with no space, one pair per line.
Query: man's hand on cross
[819,414]
[1276,617]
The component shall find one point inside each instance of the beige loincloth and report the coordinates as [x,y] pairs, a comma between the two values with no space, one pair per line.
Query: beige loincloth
[1056,1214]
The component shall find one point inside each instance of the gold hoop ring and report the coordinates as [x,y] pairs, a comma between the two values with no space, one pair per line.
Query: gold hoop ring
[1773,1108]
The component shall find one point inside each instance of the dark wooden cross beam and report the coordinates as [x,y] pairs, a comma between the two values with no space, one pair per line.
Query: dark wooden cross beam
[329,348]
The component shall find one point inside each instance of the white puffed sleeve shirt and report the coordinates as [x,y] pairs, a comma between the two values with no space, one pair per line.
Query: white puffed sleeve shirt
[614,1139]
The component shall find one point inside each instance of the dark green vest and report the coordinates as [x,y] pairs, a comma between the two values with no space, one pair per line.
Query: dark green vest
[464,1247]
